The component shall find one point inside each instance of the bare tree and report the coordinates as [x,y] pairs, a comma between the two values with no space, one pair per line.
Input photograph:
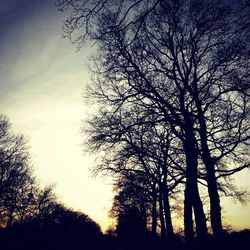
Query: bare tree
[16,179]
[21,197]
[138,146]
[187,63]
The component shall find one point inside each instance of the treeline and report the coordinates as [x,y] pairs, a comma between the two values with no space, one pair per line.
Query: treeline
[31,217]
[170,114]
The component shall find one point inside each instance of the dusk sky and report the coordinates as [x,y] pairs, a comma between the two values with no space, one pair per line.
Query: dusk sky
[42,80]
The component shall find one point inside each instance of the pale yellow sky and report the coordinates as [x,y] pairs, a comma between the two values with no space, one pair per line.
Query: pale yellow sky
[42,79]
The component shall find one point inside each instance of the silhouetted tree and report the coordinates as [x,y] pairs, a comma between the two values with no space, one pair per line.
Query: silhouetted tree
[138,148]
[185,61]
[133,191]
[16,178]
[59,228]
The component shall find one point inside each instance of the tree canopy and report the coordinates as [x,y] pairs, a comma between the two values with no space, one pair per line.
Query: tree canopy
[176,66]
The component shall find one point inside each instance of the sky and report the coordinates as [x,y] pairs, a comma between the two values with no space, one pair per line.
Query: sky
[42,80]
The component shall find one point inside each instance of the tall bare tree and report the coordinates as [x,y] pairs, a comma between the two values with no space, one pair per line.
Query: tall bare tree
[185,61]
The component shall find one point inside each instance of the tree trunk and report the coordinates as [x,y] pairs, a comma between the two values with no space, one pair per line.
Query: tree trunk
[144,218]
[200,218]
[166,206]
[215,208]
[163,228]
[154,213]
[168,219]
[191,192]
[188,218]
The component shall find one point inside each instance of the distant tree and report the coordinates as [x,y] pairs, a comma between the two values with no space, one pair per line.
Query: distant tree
[21,198]
[45,201]
[132,191]
[16,177]
[71,229]
[59,228]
